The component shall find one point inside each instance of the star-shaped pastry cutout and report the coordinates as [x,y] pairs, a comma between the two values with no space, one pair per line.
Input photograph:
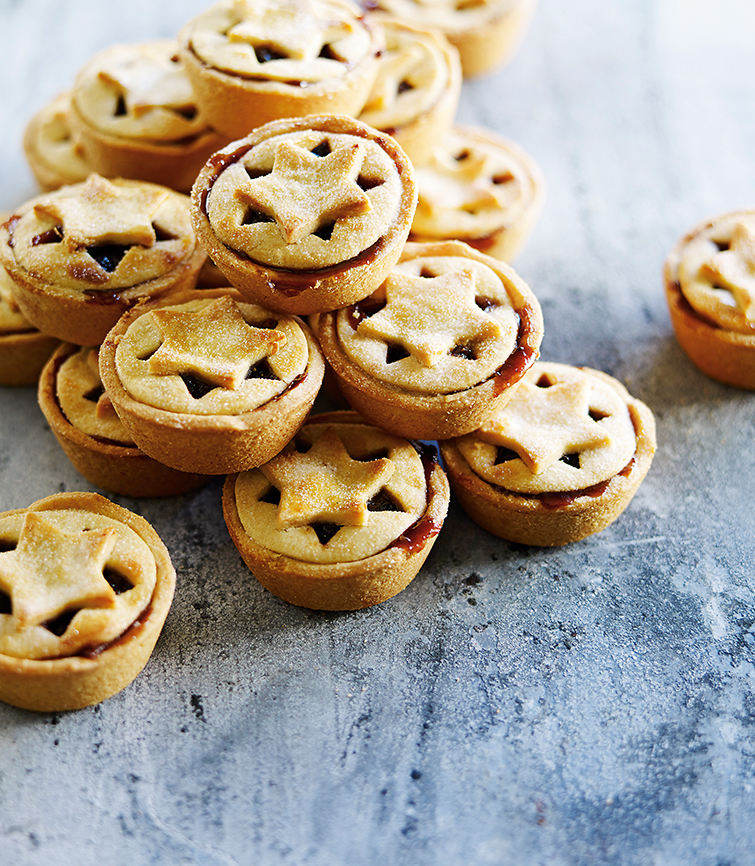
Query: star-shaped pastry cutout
[395,67]
[214,343]
[152,80]
[289,29]
[304,191]
[104,213]
[325,484]
[429,316]
[50,571]
[543,424]
[734,269]
[463,184]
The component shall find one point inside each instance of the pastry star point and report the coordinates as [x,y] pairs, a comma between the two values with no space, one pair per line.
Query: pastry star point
[50,571]
[430,316]
[215,343]
[734,268]
[544,424]
[325,484]
[305,191]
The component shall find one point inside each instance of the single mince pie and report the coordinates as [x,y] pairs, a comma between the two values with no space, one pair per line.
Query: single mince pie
[82,255]
[85,587]
[81,416]
[343,518]
[308,214]
[23,349]
[710,290]
[135,114]
[415,96]
[439,347]
[481,189]
[485,32]
[560,461]
[208,383]
[54,152]
[252,61]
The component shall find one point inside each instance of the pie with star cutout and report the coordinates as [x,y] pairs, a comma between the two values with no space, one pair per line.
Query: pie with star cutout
[343,518]
[134,114]
[560,461]
[208,383]
[306,215]
[709,278]
[416,93]
[81,415]
[85,587]
[24,350]
[82,255]
[253,62]
[481,189]
[486,33]
[439,346]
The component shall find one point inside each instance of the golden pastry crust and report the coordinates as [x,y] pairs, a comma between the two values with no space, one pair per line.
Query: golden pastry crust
[559,462]
[82,255]
[307,214]
[416,93]
[208,383]
[23,349]
[81,416]
[357,513]
[481,189]
[134,112]
[251,63]
[440,346]
[87,587]
[486,33]
[709,279]
[54,152]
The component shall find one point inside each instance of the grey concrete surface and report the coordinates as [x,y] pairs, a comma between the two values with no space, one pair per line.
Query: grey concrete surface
[587,705]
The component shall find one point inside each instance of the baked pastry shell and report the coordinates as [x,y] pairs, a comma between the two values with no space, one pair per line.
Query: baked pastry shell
[526,519]
[419,136]
[173,165]
[723,355]
[121,469]
[234,105]
[415,415]
[52,685]
[23,355]
[210,444]
[78,318]
[48,175]
[506,241]
[302,292]
[346,585]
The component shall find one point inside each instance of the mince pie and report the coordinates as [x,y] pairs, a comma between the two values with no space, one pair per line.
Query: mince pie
[208,383]
[82,255]
[480,189]
[134,111]
[415,96]
[439,346]
[560,461]
[81,416]
[252,61]
[85,587]
[308,214]
[485,32]
[710,290]
[53,150]
[23,349]
[343,518]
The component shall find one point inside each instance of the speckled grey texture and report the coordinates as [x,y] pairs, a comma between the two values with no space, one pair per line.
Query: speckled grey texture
[587,705]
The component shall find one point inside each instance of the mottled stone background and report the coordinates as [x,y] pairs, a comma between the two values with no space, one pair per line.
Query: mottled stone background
[589,705]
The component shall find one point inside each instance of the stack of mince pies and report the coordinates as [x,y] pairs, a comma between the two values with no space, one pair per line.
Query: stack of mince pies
[338,228]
